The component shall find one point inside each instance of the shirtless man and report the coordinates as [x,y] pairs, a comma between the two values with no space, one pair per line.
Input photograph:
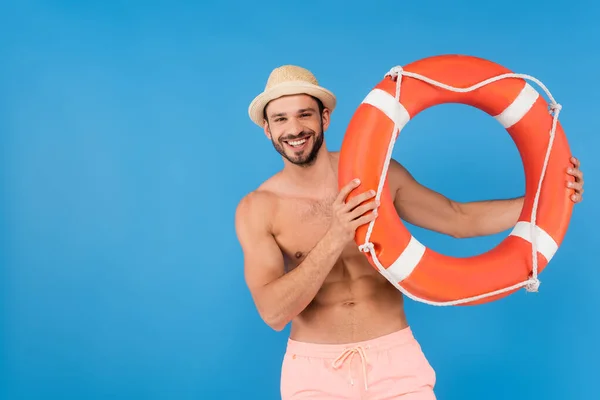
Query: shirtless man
[349,336]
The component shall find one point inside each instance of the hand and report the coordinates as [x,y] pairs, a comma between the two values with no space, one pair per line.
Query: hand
[578,184]
[349,216]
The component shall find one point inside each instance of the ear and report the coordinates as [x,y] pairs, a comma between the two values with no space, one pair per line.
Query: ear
[266,129]
[325,118]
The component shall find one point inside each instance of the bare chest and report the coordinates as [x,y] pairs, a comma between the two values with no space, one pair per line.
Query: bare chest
[300,224]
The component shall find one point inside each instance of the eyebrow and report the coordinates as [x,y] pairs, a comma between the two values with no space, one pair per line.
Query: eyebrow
[306,109]
[282,114]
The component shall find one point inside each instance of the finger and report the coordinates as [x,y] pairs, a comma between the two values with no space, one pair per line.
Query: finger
[576,198]
[345,191]
[355,201]
[358,211]
[577,186]
[577,173]
[365,219]
[575,162]
[578,182]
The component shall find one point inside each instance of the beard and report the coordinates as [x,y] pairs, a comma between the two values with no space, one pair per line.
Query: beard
[305,157]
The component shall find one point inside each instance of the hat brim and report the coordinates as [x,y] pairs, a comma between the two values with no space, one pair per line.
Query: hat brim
[255,110]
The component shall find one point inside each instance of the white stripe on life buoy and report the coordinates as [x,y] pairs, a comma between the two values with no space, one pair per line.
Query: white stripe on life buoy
[407,261]
[519,107]
[545,244]
[387,103]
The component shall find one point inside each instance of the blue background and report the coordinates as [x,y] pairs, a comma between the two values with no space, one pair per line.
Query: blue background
[125,147]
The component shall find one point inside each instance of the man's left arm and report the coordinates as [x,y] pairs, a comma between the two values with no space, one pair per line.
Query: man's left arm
[423,207]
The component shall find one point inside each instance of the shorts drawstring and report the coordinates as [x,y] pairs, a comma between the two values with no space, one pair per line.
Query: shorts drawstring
[350,352]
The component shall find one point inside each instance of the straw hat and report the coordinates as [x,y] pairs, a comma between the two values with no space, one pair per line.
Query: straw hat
[289,80]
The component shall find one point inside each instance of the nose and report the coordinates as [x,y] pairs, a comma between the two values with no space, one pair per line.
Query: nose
[294,127]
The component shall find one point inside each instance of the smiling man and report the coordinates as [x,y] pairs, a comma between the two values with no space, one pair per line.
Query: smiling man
[349,336]
[301,149]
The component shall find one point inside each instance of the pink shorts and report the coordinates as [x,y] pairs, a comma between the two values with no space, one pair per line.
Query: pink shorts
[383,368]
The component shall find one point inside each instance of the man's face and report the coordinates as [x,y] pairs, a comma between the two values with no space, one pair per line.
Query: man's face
[296,128]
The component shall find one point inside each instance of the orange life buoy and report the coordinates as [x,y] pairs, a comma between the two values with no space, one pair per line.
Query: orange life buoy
[420,272]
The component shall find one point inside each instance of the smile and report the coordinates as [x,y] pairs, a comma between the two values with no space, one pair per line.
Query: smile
[297,144]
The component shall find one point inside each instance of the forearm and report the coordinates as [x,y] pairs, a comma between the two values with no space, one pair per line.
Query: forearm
[489,217]
[283,299]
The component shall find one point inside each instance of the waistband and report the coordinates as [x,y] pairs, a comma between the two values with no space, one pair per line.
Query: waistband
[402,336]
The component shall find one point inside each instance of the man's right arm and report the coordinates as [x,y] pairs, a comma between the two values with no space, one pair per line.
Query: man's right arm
[278,296]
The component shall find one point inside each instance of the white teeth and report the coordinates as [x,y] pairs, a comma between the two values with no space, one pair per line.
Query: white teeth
[297,142]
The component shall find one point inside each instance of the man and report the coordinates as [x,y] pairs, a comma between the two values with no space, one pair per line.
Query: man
[349,337]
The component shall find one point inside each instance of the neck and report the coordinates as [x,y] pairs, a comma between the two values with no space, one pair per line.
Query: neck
[321,172]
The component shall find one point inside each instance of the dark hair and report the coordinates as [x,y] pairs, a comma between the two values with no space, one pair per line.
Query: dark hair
[319,104]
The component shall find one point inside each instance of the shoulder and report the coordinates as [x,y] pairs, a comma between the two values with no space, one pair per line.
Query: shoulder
[256,209]
[255,204]
[398,171]
[401,182]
